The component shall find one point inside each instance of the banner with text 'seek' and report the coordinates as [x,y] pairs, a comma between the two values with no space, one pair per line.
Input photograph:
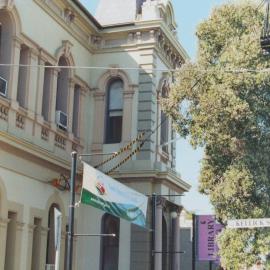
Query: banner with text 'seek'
[107,194]
[207,231]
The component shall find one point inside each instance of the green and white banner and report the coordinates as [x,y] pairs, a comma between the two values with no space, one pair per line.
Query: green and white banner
[107,194]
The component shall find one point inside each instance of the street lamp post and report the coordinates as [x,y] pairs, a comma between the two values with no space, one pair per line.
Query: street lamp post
[71,211]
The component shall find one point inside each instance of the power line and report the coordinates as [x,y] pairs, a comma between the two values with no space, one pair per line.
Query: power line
[236,70]
[88,67]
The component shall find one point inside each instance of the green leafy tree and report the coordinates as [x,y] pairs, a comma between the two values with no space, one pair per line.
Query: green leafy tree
[222,103]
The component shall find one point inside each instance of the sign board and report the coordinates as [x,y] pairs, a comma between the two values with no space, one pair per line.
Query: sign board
[103,192]
[207,230]
[206,238]
[248,223]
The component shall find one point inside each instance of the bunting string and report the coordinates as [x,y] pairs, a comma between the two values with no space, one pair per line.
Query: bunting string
[135,151]
[127,158]
[122,150]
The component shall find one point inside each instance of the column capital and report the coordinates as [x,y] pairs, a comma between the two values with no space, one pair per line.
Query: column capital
[34,53]
[17,42]
[31,227]
[177,209]
[20,225]
[161,201]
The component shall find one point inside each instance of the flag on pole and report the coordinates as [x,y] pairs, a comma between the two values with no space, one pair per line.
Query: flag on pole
[103,192]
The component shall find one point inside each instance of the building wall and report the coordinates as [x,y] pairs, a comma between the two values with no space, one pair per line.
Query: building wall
[34,152]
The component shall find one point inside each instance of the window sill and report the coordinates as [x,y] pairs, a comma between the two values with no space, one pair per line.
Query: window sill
[5,101]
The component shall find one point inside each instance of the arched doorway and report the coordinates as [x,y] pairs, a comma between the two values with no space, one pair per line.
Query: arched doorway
[110,245]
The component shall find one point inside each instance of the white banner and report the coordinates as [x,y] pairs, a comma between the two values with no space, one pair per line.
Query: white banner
[103,192]
[248,223]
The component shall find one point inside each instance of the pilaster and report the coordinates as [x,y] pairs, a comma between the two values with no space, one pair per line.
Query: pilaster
[43,247]
[175,218]
[99,125]
[14,74]
[147,102]
[158,233]
[31,86]
[3,237]
[71,86]
[53,96]
[18,246]
[82,112]
[62,250]
[41,73]
[127,115]
[30,230]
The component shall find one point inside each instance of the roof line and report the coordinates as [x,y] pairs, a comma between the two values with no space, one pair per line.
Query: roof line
[88,14]
[95,21]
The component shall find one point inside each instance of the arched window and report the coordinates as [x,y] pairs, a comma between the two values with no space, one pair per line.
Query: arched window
[7,28]
[62,94]
[164,128]
[114,111]
[110,245]
[50,256]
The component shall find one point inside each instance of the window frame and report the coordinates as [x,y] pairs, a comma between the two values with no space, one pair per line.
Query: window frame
[108,127]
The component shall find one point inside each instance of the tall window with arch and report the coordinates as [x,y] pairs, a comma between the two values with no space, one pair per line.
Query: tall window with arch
[164,128]
[110,245]
[114,111]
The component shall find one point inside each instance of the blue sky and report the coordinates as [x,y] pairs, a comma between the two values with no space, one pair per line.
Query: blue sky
[188,15]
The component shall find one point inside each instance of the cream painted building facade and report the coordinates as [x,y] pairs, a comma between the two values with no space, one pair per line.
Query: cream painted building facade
[49,108]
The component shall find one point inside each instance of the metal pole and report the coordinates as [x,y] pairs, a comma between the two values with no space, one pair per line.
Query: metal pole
[71,211]
[154,205]
[210,265]
[193,242]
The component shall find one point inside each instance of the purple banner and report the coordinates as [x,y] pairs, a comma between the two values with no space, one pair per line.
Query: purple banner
[206,238]
[207,230]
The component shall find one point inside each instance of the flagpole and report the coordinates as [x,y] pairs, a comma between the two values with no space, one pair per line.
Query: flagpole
[71,211]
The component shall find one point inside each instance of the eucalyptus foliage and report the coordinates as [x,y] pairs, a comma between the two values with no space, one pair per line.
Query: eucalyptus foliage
[222,102]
